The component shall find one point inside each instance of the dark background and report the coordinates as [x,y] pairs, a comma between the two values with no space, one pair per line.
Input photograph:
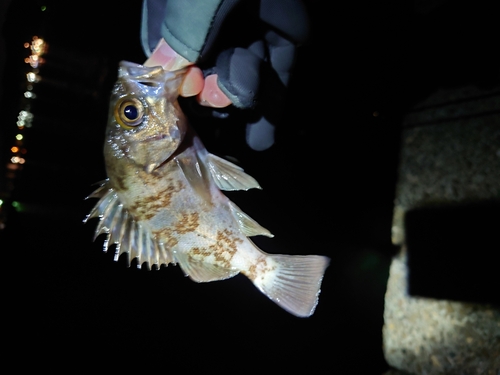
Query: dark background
[328,188]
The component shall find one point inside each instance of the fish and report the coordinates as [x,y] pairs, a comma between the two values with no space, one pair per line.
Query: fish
[163,202]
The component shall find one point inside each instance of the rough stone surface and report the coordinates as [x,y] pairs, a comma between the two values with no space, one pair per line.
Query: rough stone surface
[450,156]
[434,337]
[450,153]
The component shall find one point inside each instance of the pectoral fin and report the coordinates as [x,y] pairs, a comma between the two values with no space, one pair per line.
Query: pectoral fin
[248,226]
[229,176]
[197,176]
[201,271]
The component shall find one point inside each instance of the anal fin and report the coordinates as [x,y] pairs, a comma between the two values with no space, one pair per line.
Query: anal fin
[201,271]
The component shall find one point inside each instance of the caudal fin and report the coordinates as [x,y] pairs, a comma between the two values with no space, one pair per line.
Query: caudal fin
[295,282]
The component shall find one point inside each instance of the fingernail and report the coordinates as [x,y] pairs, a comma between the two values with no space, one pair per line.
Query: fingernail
[211,95]
[193,82]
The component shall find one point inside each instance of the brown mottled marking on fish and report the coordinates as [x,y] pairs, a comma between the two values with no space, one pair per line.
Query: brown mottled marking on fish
[163,233]
[166,236]
[266,270]
[218,254]
[226,237]
[171,242]
[252,272]
[120,183]
[119,179]
[225,247]
[151,178]
[221,258]
[200,251]
[147,207]
[222,250]
[261,264]
[188,223]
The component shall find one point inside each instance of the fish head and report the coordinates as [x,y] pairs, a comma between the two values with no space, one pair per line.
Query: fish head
[146,125]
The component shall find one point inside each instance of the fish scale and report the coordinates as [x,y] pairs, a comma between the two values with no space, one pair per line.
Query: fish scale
[163,203]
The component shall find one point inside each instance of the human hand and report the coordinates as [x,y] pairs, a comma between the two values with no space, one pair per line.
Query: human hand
[245,48]
[206,89]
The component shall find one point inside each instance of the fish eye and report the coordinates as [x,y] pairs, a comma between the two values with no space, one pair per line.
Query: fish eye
[129,112]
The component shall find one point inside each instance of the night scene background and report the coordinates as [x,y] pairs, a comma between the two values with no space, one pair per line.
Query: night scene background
[328,188]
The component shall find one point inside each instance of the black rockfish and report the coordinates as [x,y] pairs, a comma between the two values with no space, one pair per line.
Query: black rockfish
[162,202]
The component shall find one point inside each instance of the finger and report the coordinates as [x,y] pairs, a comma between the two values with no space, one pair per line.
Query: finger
[211,95]
[193,82]
[166,57]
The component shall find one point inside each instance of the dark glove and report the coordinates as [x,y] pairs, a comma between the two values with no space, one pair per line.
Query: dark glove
[249,44]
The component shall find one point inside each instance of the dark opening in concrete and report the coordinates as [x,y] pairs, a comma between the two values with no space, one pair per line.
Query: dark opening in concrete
[453,252]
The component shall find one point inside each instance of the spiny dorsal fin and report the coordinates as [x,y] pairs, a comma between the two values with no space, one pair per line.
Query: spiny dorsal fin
[229,176]
[248,226]
[101,190]
[129,236]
